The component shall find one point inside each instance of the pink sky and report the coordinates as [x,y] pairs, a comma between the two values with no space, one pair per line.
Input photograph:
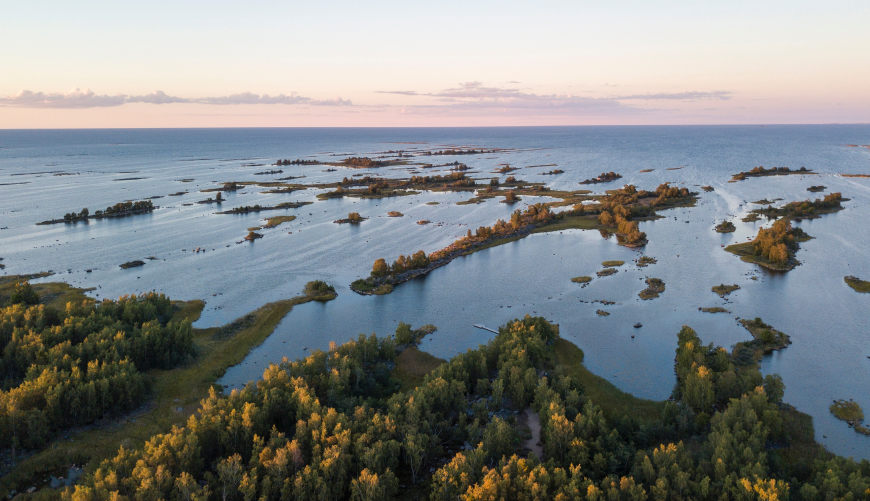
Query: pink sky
[383,63]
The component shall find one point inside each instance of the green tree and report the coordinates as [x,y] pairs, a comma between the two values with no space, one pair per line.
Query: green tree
[403,333]
[774,388]
[23,293]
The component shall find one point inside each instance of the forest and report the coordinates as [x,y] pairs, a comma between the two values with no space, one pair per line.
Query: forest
[70,367]
[336,425]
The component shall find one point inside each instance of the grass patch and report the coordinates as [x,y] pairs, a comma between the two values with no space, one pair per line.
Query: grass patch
[471,201]
[218,348]
[645,261]
[433,203]
[606,272]
[610,264]
[614,402]
[412,365]
[723,290]
[655,286]
[272,222]
[751,218]
[858,284]
[367,286]
[581,280]
[766,339]
[846,410]
[54,294]
[570,223]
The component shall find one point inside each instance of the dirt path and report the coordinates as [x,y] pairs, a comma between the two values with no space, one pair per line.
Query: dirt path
[533,421]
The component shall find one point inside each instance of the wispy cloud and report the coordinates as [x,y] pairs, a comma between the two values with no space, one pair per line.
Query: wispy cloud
[75,98]
[680,96]
[293,98]
[400,92]
[470,96]
[79,99]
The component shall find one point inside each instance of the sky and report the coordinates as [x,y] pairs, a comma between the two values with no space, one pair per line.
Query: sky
[95,64]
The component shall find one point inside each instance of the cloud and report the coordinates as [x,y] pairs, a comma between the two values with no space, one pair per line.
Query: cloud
[681,96]
[475,95]
[79,99]
[476,90]
[76,98]
[157,97]
[472,96]
[250,98]
[400,92]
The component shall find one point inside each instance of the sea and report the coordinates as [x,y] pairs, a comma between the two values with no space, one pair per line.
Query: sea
[45,174]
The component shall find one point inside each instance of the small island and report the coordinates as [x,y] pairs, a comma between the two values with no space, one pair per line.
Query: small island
[857,284]
[708,189]
[132,264]
[297,162]
[506,169]
[726,227]
[645,261]
[605,177]
[760,171]
[714,309]
[849,411]
[581,280]
[247,209]
[366,163]
[606,272]
[394,213]
[471,151]
[219,198]
[613,263]
[510,197]
[817,189]
[765,340]
[655,286]
[772,248]
[352,218]
[252,235]
[122,209]
[724,290]
[553,172]
[613,214]
[805,209]
[276,221]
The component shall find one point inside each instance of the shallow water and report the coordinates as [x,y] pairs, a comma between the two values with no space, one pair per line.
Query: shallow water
[826,320]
